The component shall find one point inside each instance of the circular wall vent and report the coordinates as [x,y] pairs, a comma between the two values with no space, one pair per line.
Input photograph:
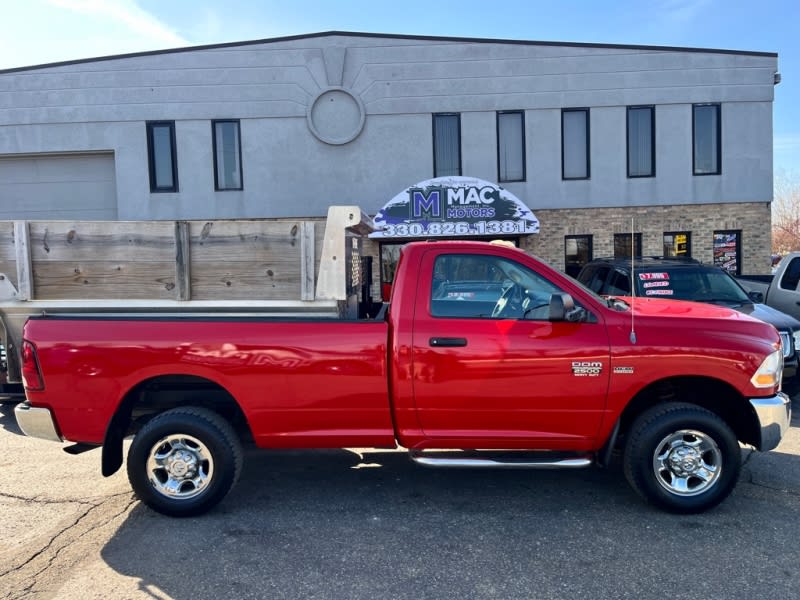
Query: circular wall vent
[336,116]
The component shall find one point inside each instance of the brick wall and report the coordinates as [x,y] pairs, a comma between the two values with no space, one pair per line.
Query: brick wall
[752,218]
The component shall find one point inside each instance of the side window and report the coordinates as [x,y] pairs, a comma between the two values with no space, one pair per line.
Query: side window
[791,276]
[487,287]
[619,284]
[598,282]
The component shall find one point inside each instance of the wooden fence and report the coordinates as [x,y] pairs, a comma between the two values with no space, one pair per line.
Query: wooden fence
[276,259]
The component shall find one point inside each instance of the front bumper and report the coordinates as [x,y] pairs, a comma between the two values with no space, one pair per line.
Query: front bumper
[774,416]
[37,422]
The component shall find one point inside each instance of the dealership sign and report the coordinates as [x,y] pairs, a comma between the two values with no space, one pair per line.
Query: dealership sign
[454,206]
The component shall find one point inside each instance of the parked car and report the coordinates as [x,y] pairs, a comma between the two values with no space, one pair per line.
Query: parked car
[781,290]
[689,279]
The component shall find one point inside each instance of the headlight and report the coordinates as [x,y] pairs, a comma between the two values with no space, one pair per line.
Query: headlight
[796,335]
[769,373]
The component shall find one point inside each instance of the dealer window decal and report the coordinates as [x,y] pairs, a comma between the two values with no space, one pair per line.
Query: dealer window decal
[656,284]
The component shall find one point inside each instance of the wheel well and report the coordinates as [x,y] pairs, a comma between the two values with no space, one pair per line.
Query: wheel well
[712,394]
[154,396]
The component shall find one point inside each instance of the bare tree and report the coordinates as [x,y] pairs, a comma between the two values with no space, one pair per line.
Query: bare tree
[786,213]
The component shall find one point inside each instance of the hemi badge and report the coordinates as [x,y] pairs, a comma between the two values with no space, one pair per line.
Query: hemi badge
[623,370]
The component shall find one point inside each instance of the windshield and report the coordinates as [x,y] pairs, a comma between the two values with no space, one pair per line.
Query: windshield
[701,285]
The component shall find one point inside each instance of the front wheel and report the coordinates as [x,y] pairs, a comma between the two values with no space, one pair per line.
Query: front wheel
[184,461]
[682,458]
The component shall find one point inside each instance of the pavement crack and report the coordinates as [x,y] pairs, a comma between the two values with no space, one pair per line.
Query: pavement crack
[65,548]
[772,488]
[41,500]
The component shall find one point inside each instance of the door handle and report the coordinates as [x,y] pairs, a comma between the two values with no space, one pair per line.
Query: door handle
[447,342]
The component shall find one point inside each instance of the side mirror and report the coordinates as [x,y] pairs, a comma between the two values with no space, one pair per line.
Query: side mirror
[562,308]
[757,297]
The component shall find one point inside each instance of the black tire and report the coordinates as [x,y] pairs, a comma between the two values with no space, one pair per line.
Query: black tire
[184,461]
[682,458]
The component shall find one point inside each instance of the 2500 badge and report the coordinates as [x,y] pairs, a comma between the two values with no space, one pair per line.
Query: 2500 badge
[586,369]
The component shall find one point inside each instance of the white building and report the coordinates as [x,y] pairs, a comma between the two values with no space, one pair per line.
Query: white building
[586,135]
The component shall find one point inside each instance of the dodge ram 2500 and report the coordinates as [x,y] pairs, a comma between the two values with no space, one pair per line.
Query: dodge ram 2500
[486,356]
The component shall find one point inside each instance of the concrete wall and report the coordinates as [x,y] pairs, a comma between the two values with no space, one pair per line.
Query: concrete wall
[103,105]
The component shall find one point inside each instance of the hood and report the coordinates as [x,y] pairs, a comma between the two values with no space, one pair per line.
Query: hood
[688,320]
[661,307]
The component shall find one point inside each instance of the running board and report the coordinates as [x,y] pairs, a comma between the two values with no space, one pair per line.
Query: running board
[502,460]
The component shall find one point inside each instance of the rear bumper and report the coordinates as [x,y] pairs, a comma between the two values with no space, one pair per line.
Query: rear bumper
[774,415]
[37,422]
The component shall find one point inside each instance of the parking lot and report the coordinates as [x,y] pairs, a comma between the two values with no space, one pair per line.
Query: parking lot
[343,524]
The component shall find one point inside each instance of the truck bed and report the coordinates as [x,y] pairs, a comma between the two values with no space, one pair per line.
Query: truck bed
[299,382]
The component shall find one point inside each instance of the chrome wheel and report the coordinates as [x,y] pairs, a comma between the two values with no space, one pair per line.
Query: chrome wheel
[687,462]
[180,466]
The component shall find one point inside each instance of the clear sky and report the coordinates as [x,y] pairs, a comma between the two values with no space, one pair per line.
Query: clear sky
[42,31]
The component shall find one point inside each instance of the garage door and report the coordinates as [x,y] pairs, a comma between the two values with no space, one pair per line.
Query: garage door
[58,186]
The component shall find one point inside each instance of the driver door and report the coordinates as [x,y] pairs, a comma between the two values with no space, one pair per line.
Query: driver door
[489,369]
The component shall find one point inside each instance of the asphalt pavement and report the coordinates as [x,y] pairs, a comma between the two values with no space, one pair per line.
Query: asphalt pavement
[350,525]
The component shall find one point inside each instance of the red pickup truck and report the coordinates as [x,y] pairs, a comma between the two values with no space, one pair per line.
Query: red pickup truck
[485,357]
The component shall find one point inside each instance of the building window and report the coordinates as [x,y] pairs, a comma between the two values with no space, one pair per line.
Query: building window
[622,245]
[575,143]
[641,141]
[446,145]
[728,251]
[678,243]
[706,139]
[577,252]
[511,146]
[161,156]
[227,155]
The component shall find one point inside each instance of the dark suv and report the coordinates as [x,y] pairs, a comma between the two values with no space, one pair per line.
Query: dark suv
[688,279]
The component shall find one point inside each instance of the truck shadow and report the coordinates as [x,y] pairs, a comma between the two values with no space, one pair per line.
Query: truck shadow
[335,524]
[8,421]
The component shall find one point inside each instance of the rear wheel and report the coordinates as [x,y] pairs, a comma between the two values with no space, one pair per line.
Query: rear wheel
[682,458]
[184,461]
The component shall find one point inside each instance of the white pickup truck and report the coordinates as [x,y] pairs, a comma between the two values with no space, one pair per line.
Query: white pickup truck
[781,290]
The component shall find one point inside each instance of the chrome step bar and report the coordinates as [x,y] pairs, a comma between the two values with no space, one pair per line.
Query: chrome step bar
[506,460]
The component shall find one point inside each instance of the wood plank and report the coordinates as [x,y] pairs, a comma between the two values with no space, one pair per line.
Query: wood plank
[104,280]
[140,241]
[239,280]
[8,252]
[319,238]
[25,284]
[218,241]
[307,254]
[245,260]
[183,261]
